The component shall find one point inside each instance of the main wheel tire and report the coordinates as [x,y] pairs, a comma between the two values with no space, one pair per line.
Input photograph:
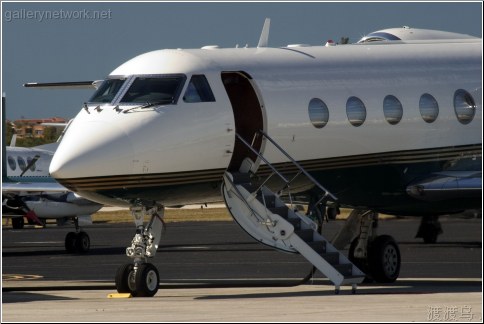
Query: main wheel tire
[384,259]
[70,242]
[83,243]
[18,222]
[125,281]
[147,281]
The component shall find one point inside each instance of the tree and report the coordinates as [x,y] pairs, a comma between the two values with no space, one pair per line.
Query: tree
[30,141]
[50,134]
[9,131]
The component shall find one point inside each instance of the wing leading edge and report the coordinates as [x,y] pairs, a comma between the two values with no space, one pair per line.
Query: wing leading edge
[32,187]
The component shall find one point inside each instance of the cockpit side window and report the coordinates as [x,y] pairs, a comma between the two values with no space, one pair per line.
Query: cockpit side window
[107,91]
[157,89]
[198,90]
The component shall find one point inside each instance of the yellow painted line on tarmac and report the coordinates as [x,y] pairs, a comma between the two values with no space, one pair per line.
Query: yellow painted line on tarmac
[118,295]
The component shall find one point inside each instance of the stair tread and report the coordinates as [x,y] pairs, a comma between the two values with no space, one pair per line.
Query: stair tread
[296,222]
[307,235]
[240,178]
[282,211]
[344,268]
[249,187]
[318,246]
[270,200]
[331,257]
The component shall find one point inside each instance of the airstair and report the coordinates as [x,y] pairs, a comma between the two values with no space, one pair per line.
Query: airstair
[263,215]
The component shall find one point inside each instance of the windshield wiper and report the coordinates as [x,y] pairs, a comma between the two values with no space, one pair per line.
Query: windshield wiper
[151,104]
[156,103]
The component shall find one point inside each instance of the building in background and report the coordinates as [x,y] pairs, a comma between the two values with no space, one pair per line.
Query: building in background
[34,128]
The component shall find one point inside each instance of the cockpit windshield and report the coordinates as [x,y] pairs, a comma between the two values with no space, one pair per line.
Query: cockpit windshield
[154,89]
[107,91]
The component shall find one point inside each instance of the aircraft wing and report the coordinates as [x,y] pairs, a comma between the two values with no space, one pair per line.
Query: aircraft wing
[32,187]
[64,85]
[447,185]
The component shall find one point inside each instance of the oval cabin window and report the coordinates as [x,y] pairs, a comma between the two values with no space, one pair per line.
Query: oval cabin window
[11,163]
[356,111]
[392,109]
[429,108]
[318,113]
[21,163]
[464,106]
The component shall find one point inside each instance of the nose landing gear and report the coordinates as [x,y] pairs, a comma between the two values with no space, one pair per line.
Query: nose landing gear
[141,278]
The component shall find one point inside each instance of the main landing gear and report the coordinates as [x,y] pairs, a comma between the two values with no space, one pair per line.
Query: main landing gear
[141,278]
[377,256]
[429,229]
[78,241]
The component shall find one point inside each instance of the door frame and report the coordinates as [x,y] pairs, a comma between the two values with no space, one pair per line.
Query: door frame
[249,117]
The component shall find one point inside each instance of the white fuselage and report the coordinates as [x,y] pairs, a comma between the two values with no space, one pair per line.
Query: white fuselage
[44,204]
[110,154]
[18,158]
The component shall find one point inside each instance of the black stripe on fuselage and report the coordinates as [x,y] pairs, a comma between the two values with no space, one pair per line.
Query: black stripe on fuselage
[214,175]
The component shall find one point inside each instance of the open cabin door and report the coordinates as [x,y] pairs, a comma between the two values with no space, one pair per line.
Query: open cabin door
[248,118]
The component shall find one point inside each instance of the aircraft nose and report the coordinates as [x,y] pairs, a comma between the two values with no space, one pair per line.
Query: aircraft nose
[90,149]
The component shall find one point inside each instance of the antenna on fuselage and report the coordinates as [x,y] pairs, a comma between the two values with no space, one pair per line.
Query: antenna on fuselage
[264,36]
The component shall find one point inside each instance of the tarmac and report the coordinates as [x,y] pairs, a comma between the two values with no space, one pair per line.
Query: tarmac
[213,272]
[410,300]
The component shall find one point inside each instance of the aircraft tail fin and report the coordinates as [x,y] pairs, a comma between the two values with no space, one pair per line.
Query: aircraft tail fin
[264,36]
[13,141]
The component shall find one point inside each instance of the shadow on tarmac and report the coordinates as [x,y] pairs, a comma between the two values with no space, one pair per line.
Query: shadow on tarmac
[24,297]
[92,251]
[407,287]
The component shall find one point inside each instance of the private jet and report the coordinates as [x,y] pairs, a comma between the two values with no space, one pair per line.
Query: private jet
[28,191]
[391,124]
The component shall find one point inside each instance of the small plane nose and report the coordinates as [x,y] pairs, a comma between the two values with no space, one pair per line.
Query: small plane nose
[90,149]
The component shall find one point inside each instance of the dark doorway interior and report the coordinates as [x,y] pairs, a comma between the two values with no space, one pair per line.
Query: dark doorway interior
[247,114]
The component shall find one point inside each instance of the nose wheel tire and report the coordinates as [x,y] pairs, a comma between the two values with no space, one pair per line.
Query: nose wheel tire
[125,281]
[140,283]
[147,281]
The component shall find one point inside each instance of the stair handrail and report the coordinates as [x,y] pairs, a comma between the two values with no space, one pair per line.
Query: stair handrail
[262,158]
[301,169]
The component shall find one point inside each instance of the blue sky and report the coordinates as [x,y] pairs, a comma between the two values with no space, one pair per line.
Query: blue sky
[69,47]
